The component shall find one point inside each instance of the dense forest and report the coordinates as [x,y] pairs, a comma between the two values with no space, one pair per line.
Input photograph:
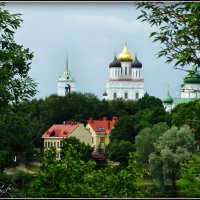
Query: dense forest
[156,150]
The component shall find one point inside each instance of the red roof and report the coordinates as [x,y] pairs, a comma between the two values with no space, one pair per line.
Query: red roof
[61,130]
[102,126]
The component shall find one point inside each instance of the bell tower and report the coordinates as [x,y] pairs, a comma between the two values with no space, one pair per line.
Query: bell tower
[66,82]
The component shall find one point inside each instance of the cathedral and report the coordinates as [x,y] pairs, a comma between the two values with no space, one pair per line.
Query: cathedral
[125,80]
[190,91]
[66,82]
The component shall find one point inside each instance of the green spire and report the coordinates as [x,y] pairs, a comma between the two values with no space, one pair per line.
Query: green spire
[168,98]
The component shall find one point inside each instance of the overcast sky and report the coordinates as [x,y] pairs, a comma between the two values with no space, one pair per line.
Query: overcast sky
[90,33]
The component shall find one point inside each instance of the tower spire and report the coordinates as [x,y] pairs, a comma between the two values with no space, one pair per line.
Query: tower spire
[168,88]
[66,67]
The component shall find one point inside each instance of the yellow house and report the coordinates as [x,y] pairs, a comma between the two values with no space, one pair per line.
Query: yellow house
[100,130]
[53,136]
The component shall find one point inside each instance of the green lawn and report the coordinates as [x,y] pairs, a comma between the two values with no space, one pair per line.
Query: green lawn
[34,168]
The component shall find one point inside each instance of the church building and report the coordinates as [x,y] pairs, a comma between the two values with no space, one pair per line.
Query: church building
[190,91]
[66,82]
[125,80]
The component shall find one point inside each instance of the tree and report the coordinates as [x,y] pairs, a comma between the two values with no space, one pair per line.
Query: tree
[178,31]
[64,178]
[84,151]
[174,147]
[118,150]
[144,142]
[189,182]
[124,129]
[117,181]
[15,84]
[187,113]
[127,128]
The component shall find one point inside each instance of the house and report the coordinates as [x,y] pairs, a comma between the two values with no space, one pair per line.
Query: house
[53,136]
[100,130]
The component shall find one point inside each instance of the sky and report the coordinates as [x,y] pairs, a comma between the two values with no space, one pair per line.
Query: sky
[90,34]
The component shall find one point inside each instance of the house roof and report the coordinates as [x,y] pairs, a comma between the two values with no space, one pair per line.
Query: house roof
[102,126]
[61,130]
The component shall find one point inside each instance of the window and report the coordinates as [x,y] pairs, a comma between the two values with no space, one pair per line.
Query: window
[92,140]
[136,74]
[125,71]
[137,95]
[58,144]
[126,95]
[54,144]
[45,144]
[100,128]
[48,144]
[114,95]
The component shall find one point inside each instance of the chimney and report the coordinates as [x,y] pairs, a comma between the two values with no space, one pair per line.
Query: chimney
[63,122]
[105,118]
[90,120]
[114,119]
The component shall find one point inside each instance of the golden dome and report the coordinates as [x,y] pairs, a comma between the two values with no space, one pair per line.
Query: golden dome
[125,56]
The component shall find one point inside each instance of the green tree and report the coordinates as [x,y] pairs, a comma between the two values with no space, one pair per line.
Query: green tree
[124,129]
[61,178]
[178,30]
[174,147]
[15,83]
[117,181]
[118,150]
[189,182]
[84,151]
[144,142]
[187,113]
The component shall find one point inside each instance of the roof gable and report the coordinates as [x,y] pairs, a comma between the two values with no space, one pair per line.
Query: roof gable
[102,126]
[61,130]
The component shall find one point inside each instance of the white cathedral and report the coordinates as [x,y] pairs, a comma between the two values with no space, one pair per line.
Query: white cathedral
[125,79]
[66,82]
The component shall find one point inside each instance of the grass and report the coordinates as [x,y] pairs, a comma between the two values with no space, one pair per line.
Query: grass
[34,168]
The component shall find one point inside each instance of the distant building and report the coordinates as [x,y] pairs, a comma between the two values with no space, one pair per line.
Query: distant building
[53,136]
[100,130]
[125,80]
[66,82]
[190,91]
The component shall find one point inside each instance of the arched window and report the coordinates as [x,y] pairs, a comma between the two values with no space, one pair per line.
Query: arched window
[114,95]
[137,95]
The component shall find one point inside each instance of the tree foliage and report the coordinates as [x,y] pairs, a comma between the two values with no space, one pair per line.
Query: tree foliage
[61,178]
[84,151]
[178,30]
[189,182]
[15,83]
[118,150]
[174,147]
[187,113]
[144,142]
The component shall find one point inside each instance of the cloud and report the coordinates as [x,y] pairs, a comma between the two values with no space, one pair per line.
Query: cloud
[106,23]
